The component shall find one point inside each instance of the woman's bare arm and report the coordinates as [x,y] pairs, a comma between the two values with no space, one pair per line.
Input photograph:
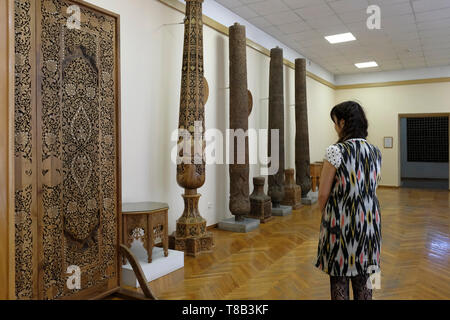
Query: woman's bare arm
[326,181]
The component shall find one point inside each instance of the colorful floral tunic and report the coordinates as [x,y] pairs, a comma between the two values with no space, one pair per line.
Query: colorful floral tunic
[350,231]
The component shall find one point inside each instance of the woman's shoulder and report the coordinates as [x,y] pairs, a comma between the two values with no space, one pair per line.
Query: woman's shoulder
[333,155]
[374,149]
[373,146]
[358,142]
[339,148]
[333,146]
[343,146]
[351,146]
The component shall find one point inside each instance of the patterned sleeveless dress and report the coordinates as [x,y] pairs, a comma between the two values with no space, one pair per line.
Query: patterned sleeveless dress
[350,230]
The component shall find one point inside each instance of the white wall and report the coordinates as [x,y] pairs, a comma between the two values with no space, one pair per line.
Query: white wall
[383,106]
[397,75]
[151,56]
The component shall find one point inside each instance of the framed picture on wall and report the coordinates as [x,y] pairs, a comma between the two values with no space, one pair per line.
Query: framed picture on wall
[388,142]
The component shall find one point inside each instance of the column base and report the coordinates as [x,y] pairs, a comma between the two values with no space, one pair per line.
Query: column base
[192,246]
[243,226]
[293,197]
[295,203]
[265,220]
[261,210]
[292,191]
[281,211]
[311,198]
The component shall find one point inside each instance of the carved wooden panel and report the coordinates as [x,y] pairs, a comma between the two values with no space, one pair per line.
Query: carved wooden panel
[76,167]
[24,151]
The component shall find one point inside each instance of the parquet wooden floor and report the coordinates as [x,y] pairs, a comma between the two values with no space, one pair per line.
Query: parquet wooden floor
[276,261]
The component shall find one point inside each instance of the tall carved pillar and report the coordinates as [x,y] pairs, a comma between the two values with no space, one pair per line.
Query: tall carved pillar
[302,161]
[239,170]
[276,121]
[191,235]
[239,111]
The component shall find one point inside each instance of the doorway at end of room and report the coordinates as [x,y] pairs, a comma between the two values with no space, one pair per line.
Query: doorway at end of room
[424,151]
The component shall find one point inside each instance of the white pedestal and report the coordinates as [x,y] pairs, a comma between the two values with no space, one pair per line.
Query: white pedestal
[281,211]
[311,198]
[245,225]
[159,267]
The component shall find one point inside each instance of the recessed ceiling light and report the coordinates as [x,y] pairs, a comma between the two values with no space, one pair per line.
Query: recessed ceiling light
[338,38]
[369,64]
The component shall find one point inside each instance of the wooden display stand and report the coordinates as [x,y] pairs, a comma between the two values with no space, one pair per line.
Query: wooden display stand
[146,221]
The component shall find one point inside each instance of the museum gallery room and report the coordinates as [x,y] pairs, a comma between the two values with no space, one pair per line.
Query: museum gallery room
[224,149]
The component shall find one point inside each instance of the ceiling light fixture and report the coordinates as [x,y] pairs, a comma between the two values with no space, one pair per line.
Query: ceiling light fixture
[369,64]
[338,38]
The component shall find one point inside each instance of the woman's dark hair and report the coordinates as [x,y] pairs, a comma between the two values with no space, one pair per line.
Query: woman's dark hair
[355,120]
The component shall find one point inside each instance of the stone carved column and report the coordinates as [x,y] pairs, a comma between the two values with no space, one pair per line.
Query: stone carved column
[276,121]
[239,172]
[302,160]
[191,235]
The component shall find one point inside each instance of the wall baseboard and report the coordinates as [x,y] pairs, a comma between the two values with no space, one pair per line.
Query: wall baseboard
[213,226]
[388,186]
[396,187]
[425,179]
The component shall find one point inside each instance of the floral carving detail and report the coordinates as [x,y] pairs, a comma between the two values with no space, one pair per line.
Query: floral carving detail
[137,234]
[23,111]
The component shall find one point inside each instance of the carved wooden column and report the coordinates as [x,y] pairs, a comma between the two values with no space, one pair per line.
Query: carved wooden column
[240,108]
[191,235]
[292,192]
[239,172]
[302,161]
[276,121]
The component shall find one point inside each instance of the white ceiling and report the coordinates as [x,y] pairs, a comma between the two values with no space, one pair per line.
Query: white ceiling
[413,34]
